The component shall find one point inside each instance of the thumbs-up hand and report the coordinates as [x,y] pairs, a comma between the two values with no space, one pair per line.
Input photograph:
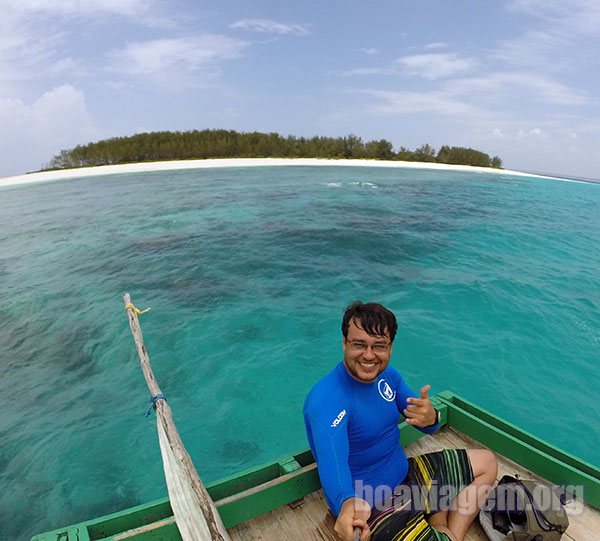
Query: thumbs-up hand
[419,411]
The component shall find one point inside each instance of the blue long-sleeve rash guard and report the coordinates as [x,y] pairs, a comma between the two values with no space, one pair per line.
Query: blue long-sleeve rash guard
[353,432]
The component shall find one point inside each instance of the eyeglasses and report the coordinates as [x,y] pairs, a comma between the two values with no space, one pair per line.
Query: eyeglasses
[363,346]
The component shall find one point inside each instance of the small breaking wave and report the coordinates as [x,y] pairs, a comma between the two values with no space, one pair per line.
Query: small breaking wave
[365,184]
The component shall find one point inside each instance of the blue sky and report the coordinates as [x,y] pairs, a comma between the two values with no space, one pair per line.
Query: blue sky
[515,78]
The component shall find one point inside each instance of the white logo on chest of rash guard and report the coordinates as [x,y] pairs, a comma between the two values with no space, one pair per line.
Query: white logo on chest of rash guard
[386,391]
[338,419]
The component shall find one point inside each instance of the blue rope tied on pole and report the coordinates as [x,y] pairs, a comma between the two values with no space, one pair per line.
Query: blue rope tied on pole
[154,400]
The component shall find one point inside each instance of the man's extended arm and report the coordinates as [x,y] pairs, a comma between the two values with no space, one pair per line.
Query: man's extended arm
[329,443]
[330,446]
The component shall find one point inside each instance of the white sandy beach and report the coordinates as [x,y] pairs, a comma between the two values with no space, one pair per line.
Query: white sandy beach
[48,176]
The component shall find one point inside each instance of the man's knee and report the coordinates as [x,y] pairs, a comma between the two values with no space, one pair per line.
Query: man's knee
[483,462]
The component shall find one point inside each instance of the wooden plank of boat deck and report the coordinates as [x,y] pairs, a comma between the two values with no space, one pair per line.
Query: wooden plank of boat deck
[287,524]
[308,520]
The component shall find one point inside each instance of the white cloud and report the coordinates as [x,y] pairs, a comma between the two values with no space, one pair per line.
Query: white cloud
[369,71]
[70,7]
[583,14]
[507,85]
[419,102]
[436,65]
[26,52]
[548,138]
[63,66]
[146,12]
[428,66]
[492,103]
[164,57]
[58,119]
[535,48]
[554,41]
[35,34]
[529,133]
[370,51]
[271,27]
[436,45]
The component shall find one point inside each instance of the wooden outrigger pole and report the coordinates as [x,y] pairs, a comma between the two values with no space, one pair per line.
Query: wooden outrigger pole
[195,513]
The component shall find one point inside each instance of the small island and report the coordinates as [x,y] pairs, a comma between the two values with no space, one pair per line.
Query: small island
[207,144]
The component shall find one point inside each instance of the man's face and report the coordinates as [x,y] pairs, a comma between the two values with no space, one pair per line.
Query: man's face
[365,356]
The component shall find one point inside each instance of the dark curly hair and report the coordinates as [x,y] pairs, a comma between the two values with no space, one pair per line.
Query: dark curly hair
[374,318]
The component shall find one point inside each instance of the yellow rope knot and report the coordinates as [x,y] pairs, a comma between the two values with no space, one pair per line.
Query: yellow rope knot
[137,311]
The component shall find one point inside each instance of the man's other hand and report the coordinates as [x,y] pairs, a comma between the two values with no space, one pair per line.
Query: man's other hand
[419,411]
[353,514]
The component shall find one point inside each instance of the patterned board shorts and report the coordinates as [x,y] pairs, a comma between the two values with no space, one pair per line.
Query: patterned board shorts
[433,480]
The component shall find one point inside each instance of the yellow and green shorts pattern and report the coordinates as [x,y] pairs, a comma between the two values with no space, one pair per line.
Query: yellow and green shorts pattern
[433,480]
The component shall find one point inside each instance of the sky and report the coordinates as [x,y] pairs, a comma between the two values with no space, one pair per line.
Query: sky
[516,78]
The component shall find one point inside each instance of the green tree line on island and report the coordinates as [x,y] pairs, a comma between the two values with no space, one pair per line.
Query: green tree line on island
[167,145]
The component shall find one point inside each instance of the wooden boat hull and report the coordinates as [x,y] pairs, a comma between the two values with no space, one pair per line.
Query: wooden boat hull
[244,496]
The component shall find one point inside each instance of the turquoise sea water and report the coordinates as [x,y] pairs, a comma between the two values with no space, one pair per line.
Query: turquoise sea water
[495,281]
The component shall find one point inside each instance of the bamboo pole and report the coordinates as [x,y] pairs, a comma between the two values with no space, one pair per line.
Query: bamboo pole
[195,513]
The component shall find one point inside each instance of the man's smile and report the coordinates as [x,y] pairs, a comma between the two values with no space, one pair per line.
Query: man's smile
[367,364]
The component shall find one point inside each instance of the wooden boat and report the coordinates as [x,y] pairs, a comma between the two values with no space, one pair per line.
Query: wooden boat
[282,501]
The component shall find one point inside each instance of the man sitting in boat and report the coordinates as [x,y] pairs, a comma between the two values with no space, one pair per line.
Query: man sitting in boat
[351,418]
